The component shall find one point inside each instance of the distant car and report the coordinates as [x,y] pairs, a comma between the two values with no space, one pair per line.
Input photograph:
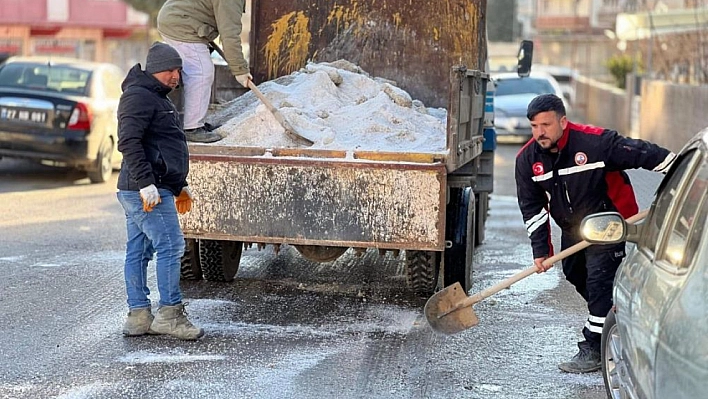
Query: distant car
[61,112]
[655,340]
[564,76]
[512,97]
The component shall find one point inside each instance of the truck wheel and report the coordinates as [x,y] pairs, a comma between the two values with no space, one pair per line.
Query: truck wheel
[102,169]
[422,268]
[481,212]
[219,259]
[190,269]
[320,253]
[460,231]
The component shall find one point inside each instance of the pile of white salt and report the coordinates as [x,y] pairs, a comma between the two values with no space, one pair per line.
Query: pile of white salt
[339,107]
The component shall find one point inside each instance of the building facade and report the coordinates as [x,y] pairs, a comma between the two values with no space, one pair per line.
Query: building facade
[667,37]
[94,30]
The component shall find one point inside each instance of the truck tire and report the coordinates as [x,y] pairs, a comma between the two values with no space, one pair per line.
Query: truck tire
[320,253]
[460,232]
[190,269]
[422,268]
[219,259]
[481,212]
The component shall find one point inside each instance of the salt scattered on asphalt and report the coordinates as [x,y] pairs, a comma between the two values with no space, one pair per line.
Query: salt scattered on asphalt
[144,357]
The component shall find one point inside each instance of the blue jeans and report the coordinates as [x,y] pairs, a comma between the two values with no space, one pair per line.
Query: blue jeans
[148,233]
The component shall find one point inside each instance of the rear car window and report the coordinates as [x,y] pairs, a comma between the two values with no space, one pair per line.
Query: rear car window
[562,78]
[59,78]
[507,87]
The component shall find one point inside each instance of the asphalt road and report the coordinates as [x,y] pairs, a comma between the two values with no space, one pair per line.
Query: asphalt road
[286,327]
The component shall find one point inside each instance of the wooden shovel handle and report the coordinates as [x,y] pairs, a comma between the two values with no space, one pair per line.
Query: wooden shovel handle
[269,105]
[471,300]
[289,130]
[278,116]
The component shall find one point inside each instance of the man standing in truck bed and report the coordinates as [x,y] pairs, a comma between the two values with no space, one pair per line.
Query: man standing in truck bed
[189,26]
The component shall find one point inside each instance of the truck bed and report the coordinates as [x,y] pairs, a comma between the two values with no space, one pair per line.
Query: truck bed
[309,197]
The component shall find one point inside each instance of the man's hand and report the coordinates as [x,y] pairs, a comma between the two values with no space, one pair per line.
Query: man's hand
[184,201]
[243,79]
[538,262]
[150,197]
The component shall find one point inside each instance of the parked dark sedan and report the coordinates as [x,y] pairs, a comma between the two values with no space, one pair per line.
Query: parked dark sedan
[61,112]
[655,340]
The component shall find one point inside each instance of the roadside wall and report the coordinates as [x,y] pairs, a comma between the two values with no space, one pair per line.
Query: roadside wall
[671,114]
[668,114]
[601,104]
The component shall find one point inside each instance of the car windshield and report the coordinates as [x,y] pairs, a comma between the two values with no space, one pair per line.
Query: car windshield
[507,87]
[61,78]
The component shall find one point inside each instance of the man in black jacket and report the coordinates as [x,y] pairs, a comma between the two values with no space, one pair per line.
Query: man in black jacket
[571,171]
[153,173]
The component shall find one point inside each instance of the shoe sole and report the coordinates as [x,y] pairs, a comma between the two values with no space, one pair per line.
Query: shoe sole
[129,334]
[579,371]
[201,334]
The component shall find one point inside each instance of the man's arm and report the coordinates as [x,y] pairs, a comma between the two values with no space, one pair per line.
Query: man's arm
[533,203]
[228,15]
[625,153]
[134,118]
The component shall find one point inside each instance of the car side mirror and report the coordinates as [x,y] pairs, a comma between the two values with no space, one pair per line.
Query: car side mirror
[525,58]
[603,228]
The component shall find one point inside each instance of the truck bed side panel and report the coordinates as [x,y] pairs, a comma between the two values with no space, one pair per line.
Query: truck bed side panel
[414,43]
[317,202]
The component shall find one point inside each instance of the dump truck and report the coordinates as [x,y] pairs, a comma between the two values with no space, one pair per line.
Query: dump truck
[430,208]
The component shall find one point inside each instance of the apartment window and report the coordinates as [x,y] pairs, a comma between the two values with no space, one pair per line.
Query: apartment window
[58,10]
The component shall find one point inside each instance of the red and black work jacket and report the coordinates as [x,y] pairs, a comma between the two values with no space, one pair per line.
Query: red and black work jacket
[585,176]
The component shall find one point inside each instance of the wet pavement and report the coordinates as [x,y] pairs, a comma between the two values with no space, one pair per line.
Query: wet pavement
[286,327]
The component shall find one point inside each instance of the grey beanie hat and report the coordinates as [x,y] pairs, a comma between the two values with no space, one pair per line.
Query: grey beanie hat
[162,57]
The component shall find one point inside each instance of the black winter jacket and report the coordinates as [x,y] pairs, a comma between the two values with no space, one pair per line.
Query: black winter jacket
[585,176]
[150,136]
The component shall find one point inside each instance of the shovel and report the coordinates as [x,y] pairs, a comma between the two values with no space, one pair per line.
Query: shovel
[450,310]
[289,130]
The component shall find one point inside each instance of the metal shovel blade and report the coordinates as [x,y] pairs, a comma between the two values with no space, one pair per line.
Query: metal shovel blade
[441,319]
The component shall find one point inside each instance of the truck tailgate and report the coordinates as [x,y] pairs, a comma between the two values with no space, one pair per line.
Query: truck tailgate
[316,201]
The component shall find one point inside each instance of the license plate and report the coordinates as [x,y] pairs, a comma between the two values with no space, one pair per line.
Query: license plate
[23,115]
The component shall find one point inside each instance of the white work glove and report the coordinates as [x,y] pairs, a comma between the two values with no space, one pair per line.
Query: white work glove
[243,79]
[150,197]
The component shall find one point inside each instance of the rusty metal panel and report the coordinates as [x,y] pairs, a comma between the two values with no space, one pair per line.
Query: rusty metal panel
[414,43]
[317,202]
[465,116]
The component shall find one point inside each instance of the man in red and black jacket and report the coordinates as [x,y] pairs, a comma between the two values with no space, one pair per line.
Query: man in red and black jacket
[570,171]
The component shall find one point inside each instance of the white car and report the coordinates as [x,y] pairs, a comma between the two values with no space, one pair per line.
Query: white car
[564,76]
[512,96]
[655,339]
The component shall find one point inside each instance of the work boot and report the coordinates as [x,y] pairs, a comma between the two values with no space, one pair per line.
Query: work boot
[209,127]
[585,361]
[138,322]
[201,135]
[172,320]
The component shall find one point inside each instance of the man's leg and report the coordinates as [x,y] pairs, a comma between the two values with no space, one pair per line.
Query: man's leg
[138,253]
[197,79]
[161,226]
[601,263]
[163,229]
[574,267]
